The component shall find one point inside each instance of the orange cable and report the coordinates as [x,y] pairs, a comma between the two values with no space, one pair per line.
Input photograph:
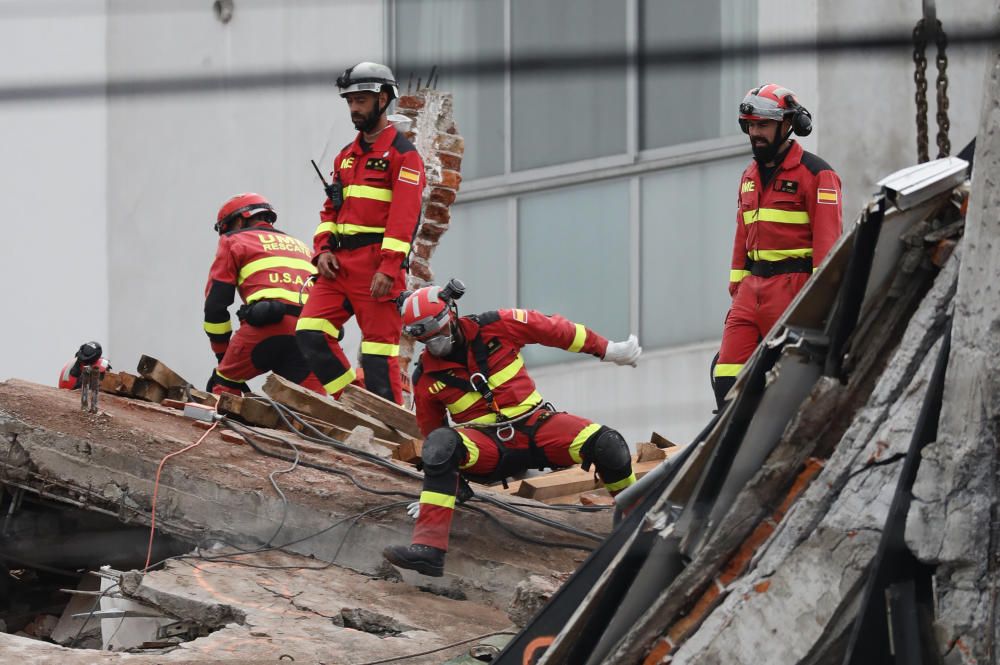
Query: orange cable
[156,487]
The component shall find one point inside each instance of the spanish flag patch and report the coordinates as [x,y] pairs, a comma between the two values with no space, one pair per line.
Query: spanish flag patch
[826,196]
[409,175]
[521,315]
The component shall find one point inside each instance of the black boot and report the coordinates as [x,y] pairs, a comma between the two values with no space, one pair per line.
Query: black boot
[421,558]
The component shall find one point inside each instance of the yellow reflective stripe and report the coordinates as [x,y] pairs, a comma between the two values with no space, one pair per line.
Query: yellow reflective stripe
[530,402]
[278,294]
[780,254]
[473,451]
[380,349]
[321,325]
[325,227]
[621,484]
[438,499]
[223,376]
[393,245]
[738,275]
[580,439]
[775,215]
[578,339]
[218,328]
[338,384]
[727,370]
[367,192]
[274,262]
[498,379]
[354,229]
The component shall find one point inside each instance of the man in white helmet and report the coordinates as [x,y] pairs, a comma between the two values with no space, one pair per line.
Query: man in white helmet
[363,241]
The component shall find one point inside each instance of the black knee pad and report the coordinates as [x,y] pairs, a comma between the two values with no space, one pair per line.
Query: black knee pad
[607,450]
[312,344]
[721,386]
[442,451]
[377,378]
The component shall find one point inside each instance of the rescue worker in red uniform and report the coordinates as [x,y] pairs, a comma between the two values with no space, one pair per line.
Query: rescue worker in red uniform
[471,369]
[362,243]
[271,271]
[787,218]
[88,355]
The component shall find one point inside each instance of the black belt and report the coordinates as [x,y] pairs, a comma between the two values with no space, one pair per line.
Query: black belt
[783,267]
[353,241]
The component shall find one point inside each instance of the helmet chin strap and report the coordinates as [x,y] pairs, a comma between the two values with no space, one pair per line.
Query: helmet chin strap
[372,119]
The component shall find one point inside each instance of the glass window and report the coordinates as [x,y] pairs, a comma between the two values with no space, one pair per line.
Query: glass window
[478,249]
[458,31]
[680,104]
[688,219]
[562,117]
[573,259]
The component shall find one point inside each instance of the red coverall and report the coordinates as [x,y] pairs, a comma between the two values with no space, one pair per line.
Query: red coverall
[558,436]
[263,264]
[372,231]
[784,229]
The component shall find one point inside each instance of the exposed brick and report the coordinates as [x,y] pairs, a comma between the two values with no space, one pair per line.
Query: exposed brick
[740,559]
[420,270]
[437,213]
[698,613]
[450,143]
[762,587]
[442,196]
[424,250]
[451,179]
[661,649]
[431,231]
[410,102]
[811,469]
[450,161]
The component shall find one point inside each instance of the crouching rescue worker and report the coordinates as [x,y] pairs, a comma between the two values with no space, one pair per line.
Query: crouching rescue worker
[471,369]
[271,271]
[787,219]
[88,355]
[363,241]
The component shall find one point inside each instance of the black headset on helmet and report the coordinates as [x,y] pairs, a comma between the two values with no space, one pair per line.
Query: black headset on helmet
[800,117]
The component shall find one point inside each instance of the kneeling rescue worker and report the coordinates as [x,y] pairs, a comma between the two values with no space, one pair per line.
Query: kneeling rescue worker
[471,369]
[271,271]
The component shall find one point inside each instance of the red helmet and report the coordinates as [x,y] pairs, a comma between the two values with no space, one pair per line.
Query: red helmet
[774,102]
[425,313]
[243,205]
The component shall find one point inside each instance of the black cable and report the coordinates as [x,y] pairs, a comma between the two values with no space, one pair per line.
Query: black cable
[514,532]
[447,646]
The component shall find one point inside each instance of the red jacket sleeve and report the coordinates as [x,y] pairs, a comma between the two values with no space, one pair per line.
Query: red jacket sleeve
[219,295]
[825,214]
[431,412]
[407,198]
[739,261]
[526,326]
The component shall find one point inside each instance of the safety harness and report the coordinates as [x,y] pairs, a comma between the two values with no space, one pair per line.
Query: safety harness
[504,428]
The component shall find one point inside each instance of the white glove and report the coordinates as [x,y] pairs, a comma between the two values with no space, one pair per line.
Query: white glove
[413,510]
[623,353]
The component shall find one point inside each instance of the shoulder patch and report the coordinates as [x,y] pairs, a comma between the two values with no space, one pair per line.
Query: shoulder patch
[520,315]
[486,318]
[814,163]
[402,144]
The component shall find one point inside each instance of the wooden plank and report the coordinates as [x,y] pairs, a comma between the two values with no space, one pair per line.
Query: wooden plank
[661,441]
[192,395]
[154,370]
[111,383]
[338,433]
[390,413]
[408,450]
[174,404]
[647,452]
[571,481]
[249,411]
[148,390]
[325,408]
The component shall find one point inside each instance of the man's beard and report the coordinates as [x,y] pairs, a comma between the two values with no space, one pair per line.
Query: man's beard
[766,153]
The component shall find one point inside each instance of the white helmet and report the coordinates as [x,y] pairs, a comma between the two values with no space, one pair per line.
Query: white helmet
[368,77]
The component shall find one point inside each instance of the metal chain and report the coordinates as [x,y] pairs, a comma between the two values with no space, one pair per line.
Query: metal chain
[944,145]
[920,78]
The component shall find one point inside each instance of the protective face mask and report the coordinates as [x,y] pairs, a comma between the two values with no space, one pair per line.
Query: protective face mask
[439,346]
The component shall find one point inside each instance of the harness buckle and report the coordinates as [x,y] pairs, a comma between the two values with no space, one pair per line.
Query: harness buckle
[505,433]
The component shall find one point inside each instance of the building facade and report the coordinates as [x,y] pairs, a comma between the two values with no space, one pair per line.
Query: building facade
[605,194]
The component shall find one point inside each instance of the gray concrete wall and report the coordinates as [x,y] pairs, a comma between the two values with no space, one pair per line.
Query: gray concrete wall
[173,160]
[53,254]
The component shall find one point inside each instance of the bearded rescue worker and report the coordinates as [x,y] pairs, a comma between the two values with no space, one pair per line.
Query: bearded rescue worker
[270,270]
[471,369]
[363,240]
[788,218]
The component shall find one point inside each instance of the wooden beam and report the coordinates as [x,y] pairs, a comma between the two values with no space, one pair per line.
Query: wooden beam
[154,370]
[409,450]
[390,413]
[325,408]
[571,481]
[251,412]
